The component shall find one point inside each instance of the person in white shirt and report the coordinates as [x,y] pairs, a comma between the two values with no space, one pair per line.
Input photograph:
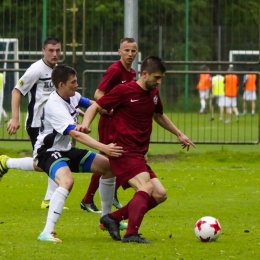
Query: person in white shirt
[55,155]
[37,85]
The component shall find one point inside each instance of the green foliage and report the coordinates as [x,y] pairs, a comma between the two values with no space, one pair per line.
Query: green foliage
[199,182]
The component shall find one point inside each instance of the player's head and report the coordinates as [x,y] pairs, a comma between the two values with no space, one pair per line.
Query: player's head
[51,50]
[205,67]
[230,68]
[152,71]
[127,51]
[64,78]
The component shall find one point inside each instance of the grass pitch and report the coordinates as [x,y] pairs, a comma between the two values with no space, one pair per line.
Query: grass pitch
[222,182]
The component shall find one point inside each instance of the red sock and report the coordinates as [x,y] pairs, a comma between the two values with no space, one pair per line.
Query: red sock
[92,188]
[152,203]
[137,208]
[120,214]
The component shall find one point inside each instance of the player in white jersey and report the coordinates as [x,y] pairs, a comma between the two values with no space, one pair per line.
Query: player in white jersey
[36,83]
[55,155]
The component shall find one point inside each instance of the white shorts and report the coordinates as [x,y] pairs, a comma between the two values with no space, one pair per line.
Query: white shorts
[230,101]
[204,93]
[249,95]
[221,101]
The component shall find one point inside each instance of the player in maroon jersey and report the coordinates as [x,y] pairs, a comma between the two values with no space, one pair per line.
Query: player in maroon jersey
[118,73]
[135,105]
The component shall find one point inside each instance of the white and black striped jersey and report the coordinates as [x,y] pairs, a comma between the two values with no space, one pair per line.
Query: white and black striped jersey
[59,117]
[36,82]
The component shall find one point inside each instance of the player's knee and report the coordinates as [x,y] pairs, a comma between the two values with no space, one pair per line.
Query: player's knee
[160,195]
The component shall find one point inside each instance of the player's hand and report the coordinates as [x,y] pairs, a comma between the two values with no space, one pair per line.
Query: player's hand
[83,129]
[113,150]
[104,112]
[185,141]
[13,126]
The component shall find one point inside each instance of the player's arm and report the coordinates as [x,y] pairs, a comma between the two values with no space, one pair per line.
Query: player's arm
[166,123]
[110,149]
[99,94]
[89,116]
[14,123]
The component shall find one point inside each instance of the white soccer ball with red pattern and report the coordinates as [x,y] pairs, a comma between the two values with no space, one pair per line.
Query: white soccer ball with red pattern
[207,229]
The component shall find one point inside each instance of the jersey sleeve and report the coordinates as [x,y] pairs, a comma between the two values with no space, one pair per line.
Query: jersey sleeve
[108,80]
[84,102]
[28,80]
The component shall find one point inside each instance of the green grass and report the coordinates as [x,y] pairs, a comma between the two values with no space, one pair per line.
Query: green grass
[196,126]
[220,181]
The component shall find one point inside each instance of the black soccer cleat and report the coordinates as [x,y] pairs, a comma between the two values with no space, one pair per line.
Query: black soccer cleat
[135,238]
[112,226]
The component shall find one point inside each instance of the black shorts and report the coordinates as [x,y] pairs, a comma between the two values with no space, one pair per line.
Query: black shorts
[33,133]
[75,159]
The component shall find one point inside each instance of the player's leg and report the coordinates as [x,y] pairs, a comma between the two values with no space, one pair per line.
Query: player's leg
[59,171]
[101,166]
[24,164]
[253,107]
[234,107]
[221,104]
[116,202]
[87,203]
[253,98]
[228,109]
[138,206]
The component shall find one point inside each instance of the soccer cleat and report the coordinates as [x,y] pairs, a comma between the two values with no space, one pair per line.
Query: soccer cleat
[135,238]
[49,237]
[3,167]
[211,119]
[91,207]
[122,226]
[45,204]
[116,202]
[112,226]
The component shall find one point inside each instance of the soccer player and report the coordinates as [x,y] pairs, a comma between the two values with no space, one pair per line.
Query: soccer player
[53,151]
[231,90]
[203,86]
[118,73]
[250,82]
[217,96]
[36,83]
[135,105]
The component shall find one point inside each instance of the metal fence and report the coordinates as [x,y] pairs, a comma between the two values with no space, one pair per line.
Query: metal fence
[186,34]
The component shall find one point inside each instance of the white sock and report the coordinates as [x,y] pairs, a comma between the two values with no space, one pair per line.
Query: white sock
[25,163]
[253,111]
[52,186]
[203,104]
[106,192]
[55,208]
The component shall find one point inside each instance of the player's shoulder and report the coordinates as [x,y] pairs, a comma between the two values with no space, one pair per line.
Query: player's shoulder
[40,66]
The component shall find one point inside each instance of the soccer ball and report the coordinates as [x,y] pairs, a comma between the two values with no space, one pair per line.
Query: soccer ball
[207,229]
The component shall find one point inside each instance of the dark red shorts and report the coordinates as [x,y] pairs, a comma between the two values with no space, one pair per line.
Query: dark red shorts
[127,167]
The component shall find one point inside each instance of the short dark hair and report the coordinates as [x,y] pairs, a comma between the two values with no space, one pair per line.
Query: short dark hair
[61,73]
[153,64]
[51,40]
[126,39]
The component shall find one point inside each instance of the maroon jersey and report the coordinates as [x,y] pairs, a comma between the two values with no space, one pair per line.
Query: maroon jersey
[131,124]
[115,74]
